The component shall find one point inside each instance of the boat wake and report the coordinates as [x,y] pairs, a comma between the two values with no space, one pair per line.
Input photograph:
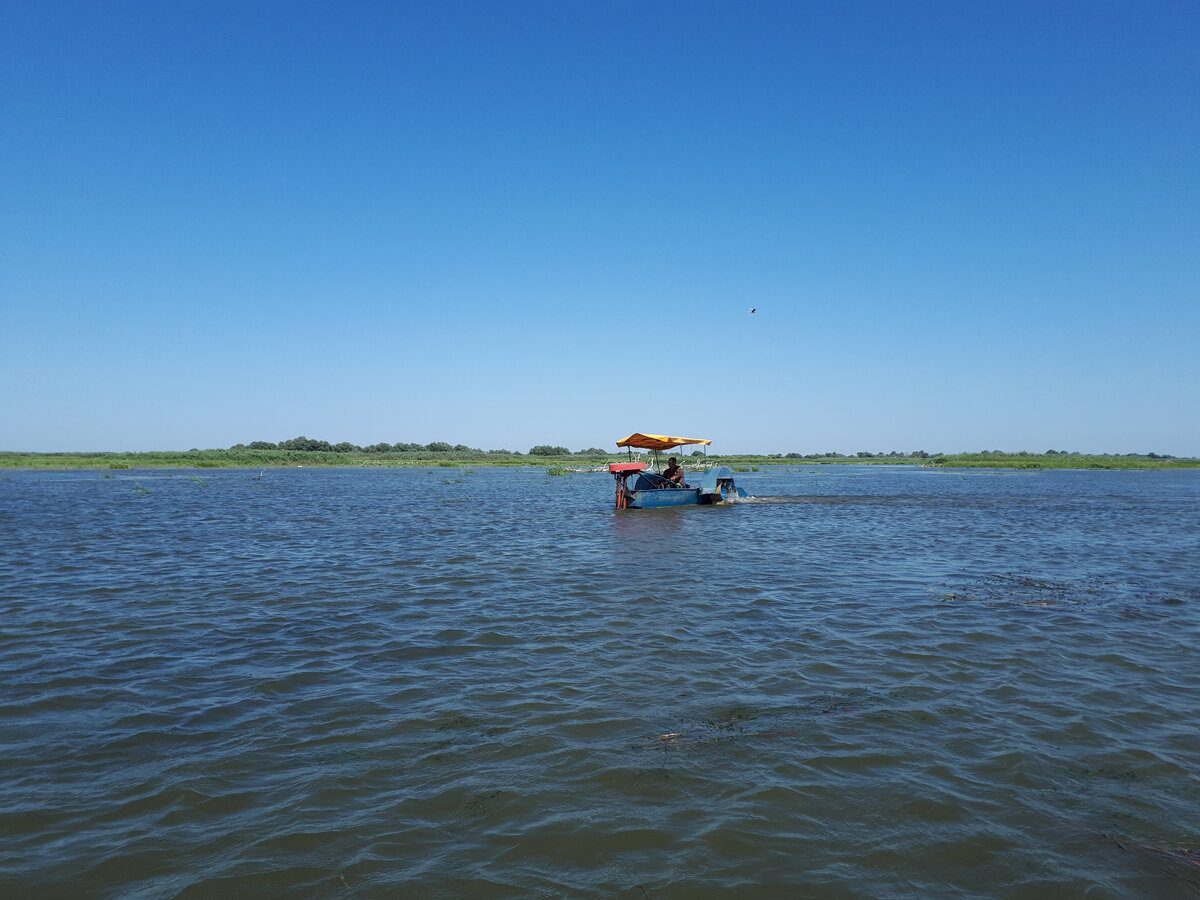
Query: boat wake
[808,499]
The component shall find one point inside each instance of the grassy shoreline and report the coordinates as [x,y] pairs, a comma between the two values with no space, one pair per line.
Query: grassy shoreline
[249,459]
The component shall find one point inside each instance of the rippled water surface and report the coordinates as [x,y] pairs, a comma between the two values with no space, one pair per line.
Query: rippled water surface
[863,682]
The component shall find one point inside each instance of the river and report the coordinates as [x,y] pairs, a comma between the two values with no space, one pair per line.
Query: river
[862,682]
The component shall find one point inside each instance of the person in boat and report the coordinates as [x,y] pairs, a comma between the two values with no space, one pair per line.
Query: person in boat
[674,472]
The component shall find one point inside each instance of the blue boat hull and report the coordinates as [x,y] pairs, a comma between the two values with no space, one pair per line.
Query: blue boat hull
[716,486]
[663,497]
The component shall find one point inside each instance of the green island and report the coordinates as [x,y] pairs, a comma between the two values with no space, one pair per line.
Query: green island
[303,451]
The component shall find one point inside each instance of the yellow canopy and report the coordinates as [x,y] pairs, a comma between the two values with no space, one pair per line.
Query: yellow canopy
[658,441]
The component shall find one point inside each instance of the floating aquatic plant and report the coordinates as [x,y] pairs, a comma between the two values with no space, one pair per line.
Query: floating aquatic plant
[1010,589]
[1187,854]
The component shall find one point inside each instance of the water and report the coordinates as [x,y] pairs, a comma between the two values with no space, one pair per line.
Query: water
[865,682]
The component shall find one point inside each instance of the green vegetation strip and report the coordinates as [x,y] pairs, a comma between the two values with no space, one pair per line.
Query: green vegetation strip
[559,460]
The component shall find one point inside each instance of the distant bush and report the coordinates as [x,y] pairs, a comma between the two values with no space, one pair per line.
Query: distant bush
[306,444]
[546,450]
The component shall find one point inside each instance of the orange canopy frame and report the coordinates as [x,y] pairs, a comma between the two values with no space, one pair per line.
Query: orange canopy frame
[658,441]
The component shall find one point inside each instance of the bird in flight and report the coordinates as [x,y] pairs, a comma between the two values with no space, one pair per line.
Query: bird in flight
[753,310]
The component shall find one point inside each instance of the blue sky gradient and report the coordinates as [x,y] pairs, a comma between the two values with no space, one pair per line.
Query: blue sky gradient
[964,226]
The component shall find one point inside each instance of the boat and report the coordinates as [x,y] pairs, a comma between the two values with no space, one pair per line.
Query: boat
[651,489]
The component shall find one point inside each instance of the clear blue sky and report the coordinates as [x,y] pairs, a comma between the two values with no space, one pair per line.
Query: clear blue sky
[964,226]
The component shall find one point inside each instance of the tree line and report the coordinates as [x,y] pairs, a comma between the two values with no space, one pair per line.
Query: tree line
[313,445]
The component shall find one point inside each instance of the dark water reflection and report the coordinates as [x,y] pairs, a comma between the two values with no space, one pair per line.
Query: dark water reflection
[875,682]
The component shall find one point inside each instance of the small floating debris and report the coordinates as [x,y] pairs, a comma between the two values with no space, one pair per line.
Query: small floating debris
[705,733]
[729,725]
[752,722]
